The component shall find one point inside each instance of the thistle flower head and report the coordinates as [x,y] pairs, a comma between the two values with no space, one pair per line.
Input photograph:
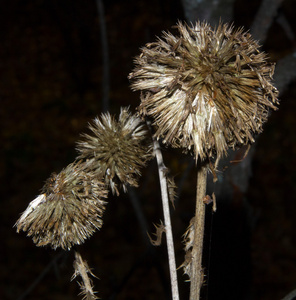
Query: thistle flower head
[116,149]
[68,211]
[205,89]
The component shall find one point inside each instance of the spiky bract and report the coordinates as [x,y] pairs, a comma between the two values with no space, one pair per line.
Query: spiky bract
[116,149]
[68,211]
[204,88]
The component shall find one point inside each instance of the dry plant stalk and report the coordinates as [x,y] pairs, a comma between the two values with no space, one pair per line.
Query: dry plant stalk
[82,269]
[197,274]
[206,90]
[162,171]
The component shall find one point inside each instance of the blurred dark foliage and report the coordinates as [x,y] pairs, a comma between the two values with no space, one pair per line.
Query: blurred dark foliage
[50,87]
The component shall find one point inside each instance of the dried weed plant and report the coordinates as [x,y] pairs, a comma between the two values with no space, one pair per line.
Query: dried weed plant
[71,204]
[205,90]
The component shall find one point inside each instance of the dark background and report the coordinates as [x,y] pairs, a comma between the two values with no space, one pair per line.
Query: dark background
[51,86]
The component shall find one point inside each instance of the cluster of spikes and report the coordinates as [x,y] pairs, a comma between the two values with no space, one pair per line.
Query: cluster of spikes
[68,210]
[116,149]
[71,204]
[205,89]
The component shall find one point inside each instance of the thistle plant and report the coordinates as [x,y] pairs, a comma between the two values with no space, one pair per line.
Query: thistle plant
[71,204]
[206,90]
[203,90]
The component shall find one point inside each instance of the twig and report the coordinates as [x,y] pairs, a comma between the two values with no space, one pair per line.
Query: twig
[196,279]
[212,11]
[105,57]
[82,269]
[283,22]
[264,19]
[290,296]
[167,220]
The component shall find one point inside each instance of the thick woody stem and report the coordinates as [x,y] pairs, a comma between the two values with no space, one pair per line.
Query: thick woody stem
[196,279]
[167,220]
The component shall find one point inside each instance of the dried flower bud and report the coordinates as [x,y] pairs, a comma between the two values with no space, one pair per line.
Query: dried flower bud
[205,89]
[68,211]
[116,149]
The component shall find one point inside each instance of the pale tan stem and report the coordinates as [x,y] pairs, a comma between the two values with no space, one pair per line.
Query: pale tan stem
[196,279]
[167,220]
[81,268]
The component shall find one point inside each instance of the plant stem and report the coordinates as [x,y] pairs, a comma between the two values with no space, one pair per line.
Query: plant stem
[167,220]
[199,222]
[82,269]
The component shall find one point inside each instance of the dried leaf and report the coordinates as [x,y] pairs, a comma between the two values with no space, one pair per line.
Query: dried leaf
[207,199]
[188,239]
[159,230]
[172,190]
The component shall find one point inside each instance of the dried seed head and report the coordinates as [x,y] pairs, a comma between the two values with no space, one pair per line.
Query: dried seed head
[116,149]
[68,211]
[205,89]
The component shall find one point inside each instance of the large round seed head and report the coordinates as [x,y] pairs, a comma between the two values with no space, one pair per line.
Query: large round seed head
[68,211]
[205,89]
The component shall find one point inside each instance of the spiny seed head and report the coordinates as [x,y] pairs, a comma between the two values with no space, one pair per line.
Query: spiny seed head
[205,89]
[116,149]
[68,211]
